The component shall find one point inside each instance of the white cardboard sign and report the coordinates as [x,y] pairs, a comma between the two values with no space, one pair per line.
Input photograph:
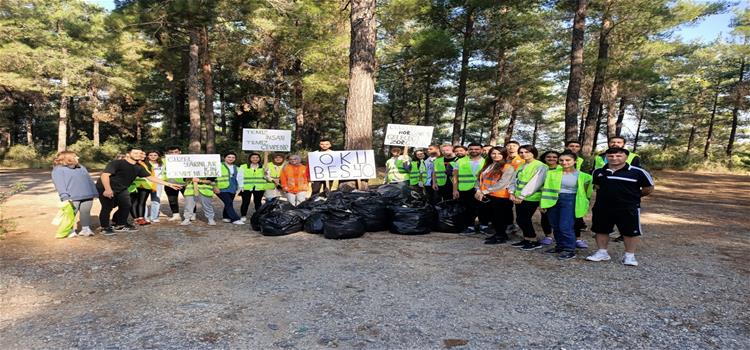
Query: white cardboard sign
[408,135]
[341,165]
[266,140]
[193,165]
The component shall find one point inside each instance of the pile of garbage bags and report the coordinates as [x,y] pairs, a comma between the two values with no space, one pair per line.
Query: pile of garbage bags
[344,215]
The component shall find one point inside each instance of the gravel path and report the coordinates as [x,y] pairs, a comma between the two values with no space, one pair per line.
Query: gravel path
[171,287]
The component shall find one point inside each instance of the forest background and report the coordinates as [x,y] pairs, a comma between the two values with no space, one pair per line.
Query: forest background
[76,75]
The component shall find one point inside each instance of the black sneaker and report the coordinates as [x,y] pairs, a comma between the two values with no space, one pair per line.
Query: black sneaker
[566,255]
[531,246]
[554,250]
[519,244]
[126,228]
[469,231]
[495,240]
[108,231]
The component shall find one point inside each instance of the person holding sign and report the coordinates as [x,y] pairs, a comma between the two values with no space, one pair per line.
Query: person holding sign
[294,180]
[273,175]
[199,190]
[172,194]
[253,183]
[418,171]
[113,190]
[325,147]
[226,188]
[465,176]
[396,168]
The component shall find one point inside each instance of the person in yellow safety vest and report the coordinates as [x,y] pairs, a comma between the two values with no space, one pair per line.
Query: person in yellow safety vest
[273,176]
[442,176]
[199,190]
[140,194]
[565,196]
[172,194]
[465,176]
[551,159]
[526,192]
[396,171]
[253,183]
[575,147]
[418,171]
[617,142]
[227,187]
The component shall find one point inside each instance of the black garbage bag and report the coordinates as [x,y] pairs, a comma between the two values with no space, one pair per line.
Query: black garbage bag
[315,223]
[393,194]
[343,200]
[267,207]
[315,202]
[279,223]
[340,224]
[412,221]
[302,213]
[451,216]
[373,211]
[415,199]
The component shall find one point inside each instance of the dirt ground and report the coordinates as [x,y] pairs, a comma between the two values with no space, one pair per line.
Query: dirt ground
[172,287]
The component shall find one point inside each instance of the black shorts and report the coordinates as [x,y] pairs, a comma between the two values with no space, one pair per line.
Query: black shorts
[627,220]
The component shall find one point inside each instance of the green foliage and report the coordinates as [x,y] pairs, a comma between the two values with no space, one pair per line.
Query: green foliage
[654,158]
[22,154]
[7,225]
[96,157]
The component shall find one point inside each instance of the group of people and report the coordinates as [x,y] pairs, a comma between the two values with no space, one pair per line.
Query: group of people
[490,182]
[493,182]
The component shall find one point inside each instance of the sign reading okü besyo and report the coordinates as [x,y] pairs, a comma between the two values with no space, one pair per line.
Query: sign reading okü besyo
[341,165]
[193,165]
[266,140]
[408,135]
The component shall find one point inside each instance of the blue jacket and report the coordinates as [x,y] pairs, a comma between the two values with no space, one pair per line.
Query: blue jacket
[73,184]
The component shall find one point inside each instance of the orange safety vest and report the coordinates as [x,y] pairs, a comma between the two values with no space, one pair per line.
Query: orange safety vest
[516,162]
[486,182]
[294,178]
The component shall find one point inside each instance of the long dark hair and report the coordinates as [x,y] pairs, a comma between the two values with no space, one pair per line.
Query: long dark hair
[158,160]
[260,159]
[498,170]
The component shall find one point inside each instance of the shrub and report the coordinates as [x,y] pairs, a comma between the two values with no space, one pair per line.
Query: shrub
[22,154]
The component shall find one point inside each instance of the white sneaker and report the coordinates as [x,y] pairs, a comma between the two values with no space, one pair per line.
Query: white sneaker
[226,220]
[600,255]
[71,234]
[629,260]
[86,232]
[211,222]
[239,222]
[185,222]
[174,217]
[243,219]
[192,218]
[155,221]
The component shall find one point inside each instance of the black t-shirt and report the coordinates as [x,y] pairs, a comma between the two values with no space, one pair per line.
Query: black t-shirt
[122,174]
[622,188]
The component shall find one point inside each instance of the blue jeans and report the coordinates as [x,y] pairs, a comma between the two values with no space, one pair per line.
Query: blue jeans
[228,199]
[155,203]
[562,216]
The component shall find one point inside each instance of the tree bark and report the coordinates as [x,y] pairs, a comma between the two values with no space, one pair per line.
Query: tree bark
[208,92]
[176,108]
[612,112]
[299,109]
[602,61]
[691,138]
[97,139]
[62,120]
[621,115]
[28,125]
[465,122]
[427,101]
[597,127]
[576,71]
[464,73]
[498,103]
[194,92]
[362,66]
[223,111]
[640,122]
[535,133]
[710,133]
[736,110]
[511,125]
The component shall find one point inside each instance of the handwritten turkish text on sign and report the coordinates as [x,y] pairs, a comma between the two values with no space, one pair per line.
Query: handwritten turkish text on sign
[266,140]
[341,165]
[193,165]
[408,135]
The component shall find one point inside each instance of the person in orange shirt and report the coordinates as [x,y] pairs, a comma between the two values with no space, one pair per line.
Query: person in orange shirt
[294,180]
[492,190]
[513,157]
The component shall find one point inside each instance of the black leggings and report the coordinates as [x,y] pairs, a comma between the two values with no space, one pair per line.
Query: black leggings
[257,200]
[138,202]
[500,211]
[470,203]
[121,200]
[173,197]
[524,213]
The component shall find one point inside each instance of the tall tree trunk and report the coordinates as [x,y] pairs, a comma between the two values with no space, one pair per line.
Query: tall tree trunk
[583,124]
[736,110]
[691,138]
[299,109]
[612,92]
[427,99]
[641,115]
[621,115]
[511,124]
[602,61]
[176,92]
[94,99]
[208,93]
[465,122]
[710,133]
[576,71]
[28,125]
[535,133]
[464,74]
[597,127]
[97,138]
[278,90]
[194,92]
[499,100]
[62,121]
[362,66]
[223,111]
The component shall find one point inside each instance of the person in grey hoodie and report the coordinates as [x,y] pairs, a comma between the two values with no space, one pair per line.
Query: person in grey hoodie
[73,183]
